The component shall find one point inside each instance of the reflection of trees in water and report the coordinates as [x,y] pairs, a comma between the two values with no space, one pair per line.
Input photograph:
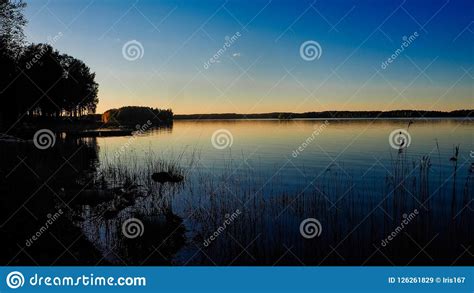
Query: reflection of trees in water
[96,208]
[31,187]
[101,206]
[65,177]
[161,239]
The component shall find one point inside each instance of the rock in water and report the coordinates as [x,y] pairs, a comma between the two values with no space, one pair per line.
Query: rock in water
[176,178]
[162,177]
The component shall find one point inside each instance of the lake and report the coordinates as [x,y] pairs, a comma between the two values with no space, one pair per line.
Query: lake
[268,146]
[259,192]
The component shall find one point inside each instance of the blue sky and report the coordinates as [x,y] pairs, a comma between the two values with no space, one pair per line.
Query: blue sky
[263,71]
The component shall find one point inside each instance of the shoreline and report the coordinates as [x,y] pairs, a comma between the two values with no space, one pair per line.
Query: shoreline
[330,118]
[400,114]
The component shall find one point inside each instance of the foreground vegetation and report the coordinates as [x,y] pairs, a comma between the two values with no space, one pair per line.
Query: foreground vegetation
[98,195]
[356,217]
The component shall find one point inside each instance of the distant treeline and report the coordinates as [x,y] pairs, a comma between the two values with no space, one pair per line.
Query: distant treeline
[335,114]
[137,115]
[35,79]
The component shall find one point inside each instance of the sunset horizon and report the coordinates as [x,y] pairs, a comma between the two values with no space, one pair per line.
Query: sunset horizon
[302,112]
[232,57]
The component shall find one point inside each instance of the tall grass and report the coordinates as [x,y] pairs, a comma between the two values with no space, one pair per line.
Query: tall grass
[355,215]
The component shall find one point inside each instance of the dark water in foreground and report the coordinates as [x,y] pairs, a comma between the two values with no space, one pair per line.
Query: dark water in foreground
[249,186]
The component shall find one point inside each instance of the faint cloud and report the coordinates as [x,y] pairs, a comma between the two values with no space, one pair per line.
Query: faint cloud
[236,55]
[219,53]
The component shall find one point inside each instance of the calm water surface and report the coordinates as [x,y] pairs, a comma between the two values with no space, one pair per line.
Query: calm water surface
[246,194]
[348,177]
[358,148]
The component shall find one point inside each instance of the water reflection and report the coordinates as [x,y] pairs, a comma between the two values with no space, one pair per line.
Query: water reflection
[349,178]
[161,237]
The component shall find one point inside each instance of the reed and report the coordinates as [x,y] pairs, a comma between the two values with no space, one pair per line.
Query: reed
[355,214]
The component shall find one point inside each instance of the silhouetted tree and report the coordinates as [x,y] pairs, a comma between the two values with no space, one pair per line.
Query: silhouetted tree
[56,84]
[41,82]
[12,22]
[134,114]
[81,94]
[37,80]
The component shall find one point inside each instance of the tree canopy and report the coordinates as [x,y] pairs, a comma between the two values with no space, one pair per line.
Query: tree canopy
[135,114]
[12,22]
[36,80]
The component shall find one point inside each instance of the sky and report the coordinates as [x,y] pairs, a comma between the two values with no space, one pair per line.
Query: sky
[249,56]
